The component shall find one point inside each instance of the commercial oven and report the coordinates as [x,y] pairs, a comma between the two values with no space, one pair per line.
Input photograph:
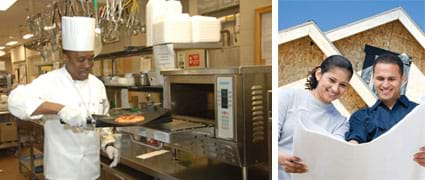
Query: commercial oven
[218,113]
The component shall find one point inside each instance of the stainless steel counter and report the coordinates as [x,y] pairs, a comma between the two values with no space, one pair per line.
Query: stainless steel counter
[186,167]
[4,112]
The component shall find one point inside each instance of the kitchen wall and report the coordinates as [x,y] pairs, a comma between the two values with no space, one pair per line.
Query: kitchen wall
[7,62]
[247,10]
[238,45]
[240,49]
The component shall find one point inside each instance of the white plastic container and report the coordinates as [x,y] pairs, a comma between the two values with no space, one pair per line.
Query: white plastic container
[173,29]
[173,8]
[154,14]
[205,29]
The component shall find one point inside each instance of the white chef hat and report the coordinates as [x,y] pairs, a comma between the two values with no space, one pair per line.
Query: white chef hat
[78,33]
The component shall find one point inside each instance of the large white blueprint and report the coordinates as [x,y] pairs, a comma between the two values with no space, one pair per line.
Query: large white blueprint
[389,157]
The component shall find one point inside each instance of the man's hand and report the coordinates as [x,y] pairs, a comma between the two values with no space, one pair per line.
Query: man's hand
[291,164]
[113,154]
[72,117]
[420,156]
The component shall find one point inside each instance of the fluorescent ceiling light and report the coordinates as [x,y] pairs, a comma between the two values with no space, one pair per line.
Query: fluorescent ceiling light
[27,36]
[2,53]
[11,43]
[5,4]
[2,47]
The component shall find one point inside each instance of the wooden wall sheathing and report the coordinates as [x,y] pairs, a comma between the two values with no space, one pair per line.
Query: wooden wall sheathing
[352,101]
[392,36]
[296,59]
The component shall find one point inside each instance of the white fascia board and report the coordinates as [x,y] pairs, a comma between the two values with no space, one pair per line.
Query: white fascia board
[312,30]
[356,81]
[293,33]
[296,84]
[327,47]
[413,90]
[363,25]
[322,42]
[411,26]
[362,89]
[341,108]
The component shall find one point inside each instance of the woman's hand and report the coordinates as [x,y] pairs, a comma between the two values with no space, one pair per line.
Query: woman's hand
[353,141]
[292,164]
[420,156]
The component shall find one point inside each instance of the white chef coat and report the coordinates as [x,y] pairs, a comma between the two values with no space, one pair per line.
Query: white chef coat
[69,154]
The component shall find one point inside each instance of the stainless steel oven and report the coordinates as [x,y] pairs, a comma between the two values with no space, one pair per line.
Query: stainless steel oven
[218,113]
[231,104]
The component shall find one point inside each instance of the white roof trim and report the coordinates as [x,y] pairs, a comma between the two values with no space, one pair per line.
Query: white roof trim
[295,32]
[377,20]
[362,89]
[413,91]
[310,29]
[412,27]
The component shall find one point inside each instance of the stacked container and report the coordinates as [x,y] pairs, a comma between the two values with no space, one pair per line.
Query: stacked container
[154,14]
[205,29]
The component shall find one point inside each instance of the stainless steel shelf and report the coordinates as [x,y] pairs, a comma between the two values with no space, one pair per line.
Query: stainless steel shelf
[129,51]
[207,45]
[137,88]
[144,50]
[233,8]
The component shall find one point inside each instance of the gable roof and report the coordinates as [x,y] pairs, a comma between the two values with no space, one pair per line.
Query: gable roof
[327,47]
[377,20]
[312,30]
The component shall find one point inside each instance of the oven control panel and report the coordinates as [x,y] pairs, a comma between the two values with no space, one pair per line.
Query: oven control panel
[224,101]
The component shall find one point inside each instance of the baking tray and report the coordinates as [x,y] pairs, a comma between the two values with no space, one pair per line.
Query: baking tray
[157,115]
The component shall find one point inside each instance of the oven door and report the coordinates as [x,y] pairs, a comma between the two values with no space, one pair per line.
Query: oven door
[204,98]
[191,98]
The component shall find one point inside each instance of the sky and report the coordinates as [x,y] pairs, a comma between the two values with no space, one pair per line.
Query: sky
[329,14]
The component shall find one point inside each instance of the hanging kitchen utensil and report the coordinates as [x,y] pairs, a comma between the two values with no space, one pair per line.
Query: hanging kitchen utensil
[98,32]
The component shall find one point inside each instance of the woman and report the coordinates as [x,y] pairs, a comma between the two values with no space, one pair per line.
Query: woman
[325,83]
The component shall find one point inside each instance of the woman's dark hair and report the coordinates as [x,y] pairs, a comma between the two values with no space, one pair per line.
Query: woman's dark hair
[389,59]
[329,63]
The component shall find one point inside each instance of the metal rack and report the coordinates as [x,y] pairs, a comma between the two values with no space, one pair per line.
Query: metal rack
[127,52]
[144,50]
[30,135]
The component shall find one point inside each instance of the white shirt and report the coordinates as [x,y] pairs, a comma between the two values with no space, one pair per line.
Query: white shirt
[295,104]
[68,154]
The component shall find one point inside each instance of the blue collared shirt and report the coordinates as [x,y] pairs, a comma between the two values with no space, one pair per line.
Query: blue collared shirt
[369,123]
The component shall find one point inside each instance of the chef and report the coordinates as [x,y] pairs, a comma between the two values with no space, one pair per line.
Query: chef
[70,94]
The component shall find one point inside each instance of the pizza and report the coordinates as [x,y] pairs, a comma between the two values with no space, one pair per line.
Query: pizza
[130,119]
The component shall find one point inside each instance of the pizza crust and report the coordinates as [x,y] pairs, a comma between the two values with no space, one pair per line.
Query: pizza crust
[130,119]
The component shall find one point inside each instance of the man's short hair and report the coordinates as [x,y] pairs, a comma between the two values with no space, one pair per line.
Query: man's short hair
[389,59]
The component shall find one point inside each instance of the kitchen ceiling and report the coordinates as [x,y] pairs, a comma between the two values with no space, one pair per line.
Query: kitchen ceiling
[13,21]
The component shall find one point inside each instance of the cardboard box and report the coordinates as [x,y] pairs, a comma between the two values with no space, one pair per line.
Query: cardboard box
[8,131]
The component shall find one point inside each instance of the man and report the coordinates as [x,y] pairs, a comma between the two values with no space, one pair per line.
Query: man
[71,151]
[369,123]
